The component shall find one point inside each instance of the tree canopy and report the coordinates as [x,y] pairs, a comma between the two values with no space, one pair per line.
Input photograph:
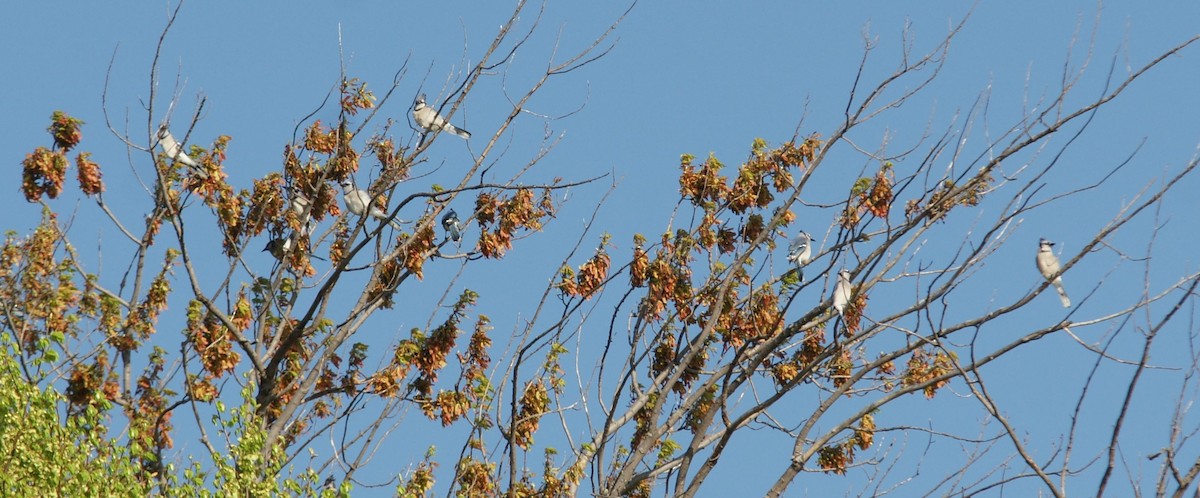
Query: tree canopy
[311,328]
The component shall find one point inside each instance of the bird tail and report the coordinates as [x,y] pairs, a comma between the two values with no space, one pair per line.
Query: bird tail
[1062,294]
[458,131]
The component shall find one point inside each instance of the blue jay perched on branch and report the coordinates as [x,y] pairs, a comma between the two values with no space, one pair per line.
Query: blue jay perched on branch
[841,292]
[800,252]
[174,150]
[299,202]
[429,119]
[300,205]
[359,202]
[278,247]
[451,225]
[1048,266]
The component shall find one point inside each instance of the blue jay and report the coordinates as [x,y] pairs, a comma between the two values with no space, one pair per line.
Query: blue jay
[1047,265]
[299,202]
[841,293]
[358,202]
[278,247]
[800,252]
[300,205]
[174,151]
[429,119]
[451,225]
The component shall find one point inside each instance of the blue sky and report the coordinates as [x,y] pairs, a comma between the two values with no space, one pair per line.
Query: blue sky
[696,77]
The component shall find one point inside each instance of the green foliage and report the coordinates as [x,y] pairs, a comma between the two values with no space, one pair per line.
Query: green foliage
[239,467]
[44,455]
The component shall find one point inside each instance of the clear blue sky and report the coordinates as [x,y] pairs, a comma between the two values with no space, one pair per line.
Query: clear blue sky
[695,77]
